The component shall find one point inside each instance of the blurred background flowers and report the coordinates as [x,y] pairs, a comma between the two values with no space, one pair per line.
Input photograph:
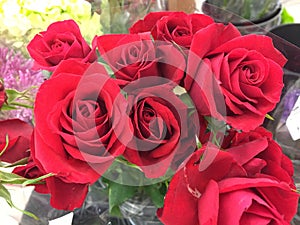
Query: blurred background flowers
[20,20]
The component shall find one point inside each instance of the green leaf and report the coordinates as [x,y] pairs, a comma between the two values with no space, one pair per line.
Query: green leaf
[269,117]
[286,17]
[123,172]
[4,193]
[11,178]
[187,100]
[157,193]
[118,194]
[17,163]
[14,97]
[13,94]
[199,144]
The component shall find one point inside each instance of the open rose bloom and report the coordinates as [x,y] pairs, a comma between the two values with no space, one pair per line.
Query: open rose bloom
[181,99]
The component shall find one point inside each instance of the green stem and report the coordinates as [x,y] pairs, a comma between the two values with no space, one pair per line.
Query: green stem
[6,145]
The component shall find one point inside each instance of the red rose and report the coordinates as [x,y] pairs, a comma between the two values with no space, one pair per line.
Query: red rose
[19,134]
[3,96]
[241,75]
[61,41]
[31,171]
[133,56]
[177,27]
[64,195]
[149,21]
[162,138]
[78,115]
[268,158]
[217,190]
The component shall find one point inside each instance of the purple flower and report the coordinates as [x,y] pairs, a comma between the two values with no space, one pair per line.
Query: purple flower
[16,73]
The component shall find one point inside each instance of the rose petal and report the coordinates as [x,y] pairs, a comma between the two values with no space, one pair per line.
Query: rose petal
[208,204]
[73,195]
[178,193]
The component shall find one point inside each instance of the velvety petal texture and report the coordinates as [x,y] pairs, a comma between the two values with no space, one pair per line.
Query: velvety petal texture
[177,27]
[147,23]
[246,70]
[217,187]
[31,171]
[135,56]
[81,127]
[161,130]
[260,155]
[62,40]
[180,96]
[18,133]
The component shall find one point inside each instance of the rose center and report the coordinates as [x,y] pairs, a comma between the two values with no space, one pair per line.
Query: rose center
[87,108]
[182,31]
[251,75]
[133,51]
[148,115]
[84,109]
[56,45]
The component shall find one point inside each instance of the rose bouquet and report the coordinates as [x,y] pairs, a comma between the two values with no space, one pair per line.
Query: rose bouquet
[173,110]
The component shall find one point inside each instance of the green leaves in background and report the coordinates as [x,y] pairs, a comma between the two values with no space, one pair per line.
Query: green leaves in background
[286,17]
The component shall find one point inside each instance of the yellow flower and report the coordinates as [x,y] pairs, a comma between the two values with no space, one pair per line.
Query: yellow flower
[20,20]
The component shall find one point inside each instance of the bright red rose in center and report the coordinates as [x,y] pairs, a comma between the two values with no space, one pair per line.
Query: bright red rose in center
[164,134]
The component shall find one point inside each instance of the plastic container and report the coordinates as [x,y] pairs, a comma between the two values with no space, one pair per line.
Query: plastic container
[256,21]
